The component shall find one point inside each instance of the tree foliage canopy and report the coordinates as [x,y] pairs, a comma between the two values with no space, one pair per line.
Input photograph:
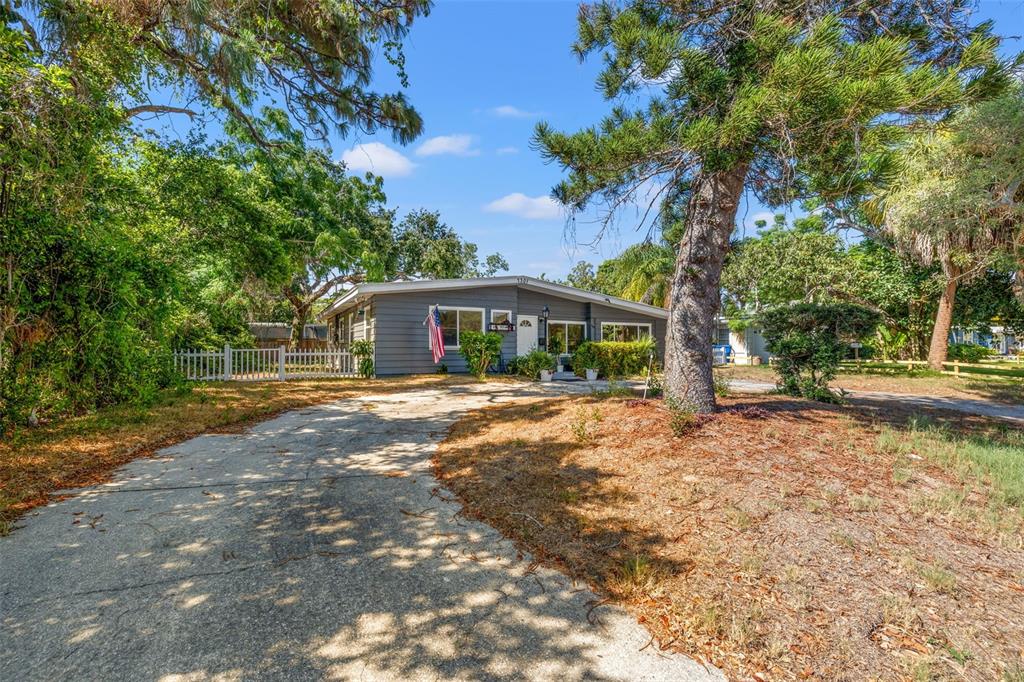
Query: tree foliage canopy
[316,56]
[811,98]
[959,199]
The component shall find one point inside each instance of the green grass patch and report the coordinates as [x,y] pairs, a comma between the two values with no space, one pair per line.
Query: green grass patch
[995,457]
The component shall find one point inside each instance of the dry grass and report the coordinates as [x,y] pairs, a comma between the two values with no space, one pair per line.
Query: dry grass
[1009,391]
[812,542]
[84,450]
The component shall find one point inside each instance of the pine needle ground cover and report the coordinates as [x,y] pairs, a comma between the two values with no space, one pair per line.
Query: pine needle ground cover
[85,450]
[781,539]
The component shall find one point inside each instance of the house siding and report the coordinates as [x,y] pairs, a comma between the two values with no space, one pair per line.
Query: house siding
[402,342]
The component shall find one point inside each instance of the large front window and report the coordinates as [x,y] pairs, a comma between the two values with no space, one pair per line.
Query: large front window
[624,331]
[565,337]
[454,321]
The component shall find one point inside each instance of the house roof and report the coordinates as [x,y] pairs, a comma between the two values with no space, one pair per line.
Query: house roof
[278,331]
[362,291]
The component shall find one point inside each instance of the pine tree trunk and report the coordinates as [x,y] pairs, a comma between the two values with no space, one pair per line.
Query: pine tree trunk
[943,322]
[694,293]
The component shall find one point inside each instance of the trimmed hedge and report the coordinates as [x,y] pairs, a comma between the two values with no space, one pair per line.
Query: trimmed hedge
[613,358]
[968,352]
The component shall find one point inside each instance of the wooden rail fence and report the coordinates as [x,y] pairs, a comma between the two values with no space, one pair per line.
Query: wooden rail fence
[956,368]
[263,364]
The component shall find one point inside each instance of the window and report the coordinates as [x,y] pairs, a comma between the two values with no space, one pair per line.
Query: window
[454,321]
[624,331]
[565,337]
[501,316]
[340,330]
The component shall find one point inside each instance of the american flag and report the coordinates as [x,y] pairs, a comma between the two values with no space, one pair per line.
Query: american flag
[433,323]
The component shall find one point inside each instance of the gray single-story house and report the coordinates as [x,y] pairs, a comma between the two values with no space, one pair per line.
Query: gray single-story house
[530,313]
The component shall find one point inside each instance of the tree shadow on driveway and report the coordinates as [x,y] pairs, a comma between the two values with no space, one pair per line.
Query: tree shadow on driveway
[316,545]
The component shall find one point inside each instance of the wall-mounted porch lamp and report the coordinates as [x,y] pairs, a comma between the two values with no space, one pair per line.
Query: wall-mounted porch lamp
[542,340]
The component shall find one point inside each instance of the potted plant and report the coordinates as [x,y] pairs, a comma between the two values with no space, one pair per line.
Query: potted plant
[539,363]
[591,374]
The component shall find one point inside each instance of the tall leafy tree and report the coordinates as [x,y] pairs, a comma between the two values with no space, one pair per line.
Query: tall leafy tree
[808,263]
[959,202]
[316,56]
[785,99]
[782,265]
[582,276]
[86,281]
[428,247]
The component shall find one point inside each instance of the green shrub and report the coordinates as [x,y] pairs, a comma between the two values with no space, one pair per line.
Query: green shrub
[613,358]
[968,352]
[721,384]
[362,350]
[655,386]
[810,340]
[531,364]
[684,419]
[480,350]
[584,422]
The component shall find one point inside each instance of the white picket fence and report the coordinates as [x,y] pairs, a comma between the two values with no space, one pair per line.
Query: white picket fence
[263,364]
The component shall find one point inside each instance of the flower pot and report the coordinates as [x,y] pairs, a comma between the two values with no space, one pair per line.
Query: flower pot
[545,375]
[561,368]
[591,375]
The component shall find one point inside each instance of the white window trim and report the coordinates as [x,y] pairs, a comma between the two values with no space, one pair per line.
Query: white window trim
[567,322]
[650,327]
[507,312]
[483,320]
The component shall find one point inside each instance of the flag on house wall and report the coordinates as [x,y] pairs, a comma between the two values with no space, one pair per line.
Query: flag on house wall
[433,323]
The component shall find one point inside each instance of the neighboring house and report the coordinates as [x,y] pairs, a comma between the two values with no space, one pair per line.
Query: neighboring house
[742,347]
[999,339]
[274,334]
[392,314]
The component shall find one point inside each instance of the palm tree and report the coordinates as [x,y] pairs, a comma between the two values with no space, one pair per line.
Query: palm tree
[640,273]
[959,201]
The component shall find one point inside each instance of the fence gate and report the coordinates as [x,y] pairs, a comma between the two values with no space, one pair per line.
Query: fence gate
[263,364]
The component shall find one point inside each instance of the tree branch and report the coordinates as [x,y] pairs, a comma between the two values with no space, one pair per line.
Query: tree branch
[158,109]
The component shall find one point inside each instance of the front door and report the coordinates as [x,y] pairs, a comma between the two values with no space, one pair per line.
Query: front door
[526,334]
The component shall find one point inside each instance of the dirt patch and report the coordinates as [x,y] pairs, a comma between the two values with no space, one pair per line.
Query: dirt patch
[780,540]
[85,450]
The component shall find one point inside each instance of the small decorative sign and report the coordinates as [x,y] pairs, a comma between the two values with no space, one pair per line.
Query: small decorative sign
[501,327]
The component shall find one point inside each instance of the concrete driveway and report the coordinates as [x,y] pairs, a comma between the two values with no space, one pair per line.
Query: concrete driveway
[315,545]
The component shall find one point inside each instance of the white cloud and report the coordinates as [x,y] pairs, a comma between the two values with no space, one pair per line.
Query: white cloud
[377,158]
[532,208]
[507,150]
[456,145]
[751,222]
[509,111]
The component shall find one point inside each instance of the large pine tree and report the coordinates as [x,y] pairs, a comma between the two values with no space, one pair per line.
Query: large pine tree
[786,99]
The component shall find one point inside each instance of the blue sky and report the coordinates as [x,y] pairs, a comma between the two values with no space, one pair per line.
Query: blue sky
[481,75]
